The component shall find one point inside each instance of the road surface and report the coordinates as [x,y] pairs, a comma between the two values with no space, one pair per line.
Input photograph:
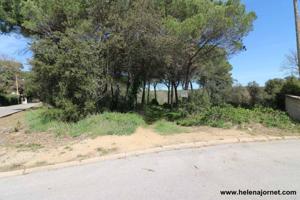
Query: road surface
[8,110]
[192,174]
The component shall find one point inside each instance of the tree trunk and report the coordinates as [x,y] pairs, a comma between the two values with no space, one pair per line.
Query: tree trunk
[148,93]
[112,105]
[144,93]
[155,93]
[169,93]
[187,76]
[176,93]
[127,88]
[297,23]
[191,86]
[172,95]
[117,94]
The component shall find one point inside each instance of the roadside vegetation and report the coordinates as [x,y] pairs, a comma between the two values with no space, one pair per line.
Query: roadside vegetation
[164,127]
[97,66]
[229,116]
[9,70]
[94,125]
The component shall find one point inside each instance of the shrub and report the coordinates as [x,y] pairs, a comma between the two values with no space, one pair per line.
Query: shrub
[239,96]
[257,94]
[154,102]
[273,88]
[198,101]
[228,116]
[291,87]
[52,114]
[155,113]
[8,100]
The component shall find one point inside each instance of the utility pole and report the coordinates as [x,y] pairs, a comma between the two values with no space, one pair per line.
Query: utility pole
[297,23]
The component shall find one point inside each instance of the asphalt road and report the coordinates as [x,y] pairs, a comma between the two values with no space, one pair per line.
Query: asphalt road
[8,110]
[196,174]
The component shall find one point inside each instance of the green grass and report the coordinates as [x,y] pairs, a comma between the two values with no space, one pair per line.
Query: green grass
[154,113]
[164,127]
[102,124]
[228,116]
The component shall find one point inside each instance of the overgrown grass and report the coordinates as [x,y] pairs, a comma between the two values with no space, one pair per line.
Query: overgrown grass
[228,116]
[164,127]
[154,113]
[102,124]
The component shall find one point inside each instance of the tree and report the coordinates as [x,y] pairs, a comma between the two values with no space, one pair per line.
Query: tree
[291,87]
[92,55]
[256,93]
[10,11]
[207,25]
[290,65]
[273,88]
[215,78]
[239,96]
[9,71]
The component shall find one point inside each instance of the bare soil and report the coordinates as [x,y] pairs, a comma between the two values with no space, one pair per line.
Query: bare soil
[20,149]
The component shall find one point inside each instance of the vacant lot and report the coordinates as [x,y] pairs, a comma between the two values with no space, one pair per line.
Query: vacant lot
[27,141]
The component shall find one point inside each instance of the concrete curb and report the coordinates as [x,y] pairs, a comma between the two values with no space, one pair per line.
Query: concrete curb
[147,151]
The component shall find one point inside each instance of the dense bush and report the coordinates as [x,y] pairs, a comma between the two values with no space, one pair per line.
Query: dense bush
[229,116]
[257,94]
[7,100]
[155,113]
[273,88]
[239,96]
[290,87]
[198,101]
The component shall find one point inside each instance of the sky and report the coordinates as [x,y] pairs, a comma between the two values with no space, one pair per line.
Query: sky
[272,38]
[17,47]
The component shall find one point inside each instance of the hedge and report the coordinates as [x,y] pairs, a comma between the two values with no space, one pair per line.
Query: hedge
[8,100]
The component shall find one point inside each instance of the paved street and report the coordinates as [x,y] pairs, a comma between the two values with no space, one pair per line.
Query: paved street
[193,174]
[8,110]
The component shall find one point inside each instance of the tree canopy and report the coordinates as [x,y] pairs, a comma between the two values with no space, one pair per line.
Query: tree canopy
[8,71]
[95,54]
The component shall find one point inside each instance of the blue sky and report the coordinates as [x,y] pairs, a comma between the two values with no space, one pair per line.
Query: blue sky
[273,37]
[15,46]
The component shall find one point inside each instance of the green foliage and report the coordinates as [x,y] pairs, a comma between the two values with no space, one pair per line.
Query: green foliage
[92,55]
[239,96]
[7,100]
[198,101]
[291,87]
[156,113]
[277,89]
[164,127]
[256,93]
[216,79]
[42,120]
[8,71]
[273,89]
[228,116]
[10,11]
